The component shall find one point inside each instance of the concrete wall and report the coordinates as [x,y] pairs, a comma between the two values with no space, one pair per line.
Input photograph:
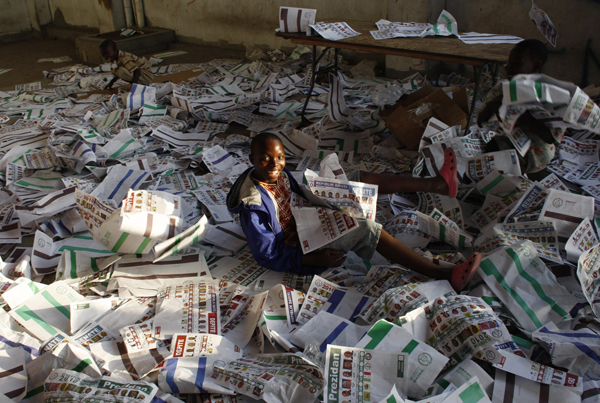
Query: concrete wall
[575,20]
[14,17]
[105,15]
[74,13]
[252,22]
[42,11]
[246,22]
[413,11]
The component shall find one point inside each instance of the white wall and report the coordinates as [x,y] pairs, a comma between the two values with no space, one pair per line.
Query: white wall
[14,17]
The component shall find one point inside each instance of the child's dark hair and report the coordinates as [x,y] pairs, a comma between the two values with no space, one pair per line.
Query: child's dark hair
[261,139]
[535,48]
[109,43]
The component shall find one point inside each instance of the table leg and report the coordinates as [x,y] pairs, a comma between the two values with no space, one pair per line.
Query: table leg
[303,121]
[315,61]
[495,74]
[478,74]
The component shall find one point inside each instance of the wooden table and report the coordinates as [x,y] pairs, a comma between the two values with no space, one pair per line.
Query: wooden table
[442,48]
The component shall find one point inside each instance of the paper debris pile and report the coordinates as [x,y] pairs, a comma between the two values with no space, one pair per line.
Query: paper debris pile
[151,294]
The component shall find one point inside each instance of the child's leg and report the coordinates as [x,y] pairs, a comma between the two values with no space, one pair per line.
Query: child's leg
[123,74]
[389,183]
[397,252]
[146,77]
[446,183]
[370,237]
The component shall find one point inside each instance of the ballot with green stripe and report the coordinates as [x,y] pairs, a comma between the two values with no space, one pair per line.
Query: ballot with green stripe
[424,362]
[533,89]
[108,234]
[470,392]
[526,287]
[187,238]
[47,312]
[74,264]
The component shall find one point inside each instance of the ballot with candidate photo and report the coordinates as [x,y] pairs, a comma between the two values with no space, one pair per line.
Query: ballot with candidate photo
[156,215]
[359,375]
[356,199]
[193,304]
[293,19]
[319,226]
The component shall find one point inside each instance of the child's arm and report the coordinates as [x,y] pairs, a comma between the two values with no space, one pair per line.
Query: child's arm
[268,251]
[110,84]
[489,109]
[324,258]
[492,104]
[529,124]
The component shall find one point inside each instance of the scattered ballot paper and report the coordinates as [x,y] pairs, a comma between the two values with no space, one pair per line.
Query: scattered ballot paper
[281,385]
[334,31]
[196,305]
[296,19]
[543,22]
[318,226]
[472,38]
[583,239]
[445,26]
[140,284]
[355,372]
[155,215]
[388,29]
[70,386]
[36,86]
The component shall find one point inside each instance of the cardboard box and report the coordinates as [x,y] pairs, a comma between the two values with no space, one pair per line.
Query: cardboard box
[461,97]
[408,126]
[406,100]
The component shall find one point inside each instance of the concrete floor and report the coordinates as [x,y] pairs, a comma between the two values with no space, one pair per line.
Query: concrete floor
[22,57]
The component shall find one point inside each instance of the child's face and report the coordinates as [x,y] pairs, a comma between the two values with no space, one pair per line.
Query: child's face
[268,160]
[109,54]
[520,62]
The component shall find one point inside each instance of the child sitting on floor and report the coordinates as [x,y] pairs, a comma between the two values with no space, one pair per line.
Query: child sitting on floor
[130,68]
[262,198]
[527,57]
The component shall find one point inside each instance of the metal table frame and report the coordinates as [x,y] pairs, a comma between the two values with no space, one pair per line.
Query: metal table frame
[448,49]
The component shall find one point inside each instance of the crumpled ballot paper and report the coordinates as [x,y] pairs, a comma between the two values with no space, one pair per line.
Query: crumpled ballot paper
[140,285]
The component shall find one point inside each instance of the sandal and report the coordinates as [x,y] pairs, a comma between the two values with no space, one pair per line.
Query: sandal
[449,172]
[462,273]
